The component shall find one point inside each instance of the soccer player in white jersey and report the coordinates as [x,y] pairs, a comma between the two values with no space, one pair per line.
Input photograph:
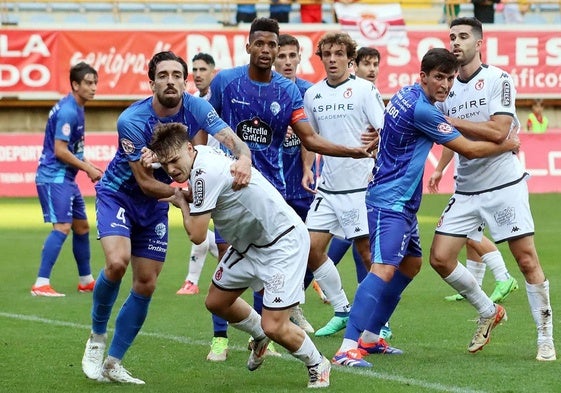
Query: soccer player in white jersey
[340,108]
[203,71]
[490,192]
[268,246]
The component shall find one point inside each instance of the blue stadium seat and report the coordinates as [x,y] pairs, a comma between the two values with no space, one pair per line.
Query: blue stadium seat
[76,19]
[205,19]
[164,7]
[136,19]
[132,7]
[42,18]
[534,19]
[64,7]
[100,6]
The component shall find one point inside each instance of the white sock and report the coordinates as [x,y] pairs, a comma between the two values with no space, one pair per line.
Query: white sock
[40,281]
[477,269]
[85,280]
[538,297]
[308,352]
[464,283]
[369,337]
[327,276]
[197,261]
[251,325]
[495,262]
[212,247]
[347,345]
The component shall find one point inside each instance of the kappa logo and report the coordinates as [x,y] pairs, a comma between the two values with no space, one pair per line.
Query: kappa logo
[199,172]
[318,96]
[515,229]
[357,229]
[277,300]
[452,94]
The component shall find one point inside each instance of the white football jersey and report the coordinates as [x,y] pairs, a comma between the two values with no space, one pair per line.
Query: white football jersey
[490,91]
[341,114]
[255,215]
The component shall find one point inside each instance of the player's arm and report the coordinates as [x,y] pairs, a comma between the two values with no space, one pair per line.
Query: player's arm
[495,130]
[195,226]
[200,138]
[477,149]
[443,162]
[308,160]
[149,185]
[63,154]
[241,168]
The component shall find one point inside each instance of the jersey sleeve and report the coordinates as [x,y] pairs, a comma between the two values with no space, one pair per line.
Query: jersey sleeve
[375,110]
[65,123]
[308,109]
[430,121]
[207,180]
[503,96]
[131,139]
[206,115]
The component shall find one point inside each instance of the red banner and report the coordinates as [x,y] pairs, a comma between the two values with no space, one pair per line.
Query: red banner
[19,154]
[34,64]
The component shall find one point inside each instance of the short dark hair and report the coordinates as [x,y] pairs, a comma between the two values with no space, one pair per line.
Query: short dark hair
[80,70]
[439,59]
[163,56]
[167,138]
[338,38]
[287,39]
[475,24]
[204,57]
[366,52]
[263,24]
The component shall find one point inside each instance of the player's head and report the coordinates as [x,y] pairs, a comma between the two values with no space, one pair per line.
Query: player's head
[167,73]
[438,71]
[83,81]
[170,142]
[336,50]
[263,43]
[288,56]
[466,39]
[203,71]
[367,63]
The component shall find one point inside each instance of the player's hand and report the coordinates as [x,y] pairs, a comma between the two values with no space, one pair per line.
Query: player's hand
[434,181]
[308,180]
[148,158]
[289,133]
[512,143]
[180,198]
[241,172]
[94,173]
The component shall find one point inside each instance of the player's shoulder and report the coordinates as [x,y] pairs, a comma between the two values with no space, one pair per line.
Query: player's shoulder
[228,74]
[138,111]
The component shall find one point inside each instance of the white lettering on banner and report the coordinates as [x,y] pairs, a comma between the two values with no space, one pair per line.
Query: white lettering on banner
[219,48]
[31,75]
[100,152]
[20,153]
[34,45]
[552,169]
[17,178]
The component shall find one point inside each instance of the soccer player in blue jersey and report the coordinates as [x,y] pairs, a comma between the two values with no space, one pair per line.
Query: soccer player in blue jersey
[260,104]
[61,200]
[132,223]
[412,123]
[490,192]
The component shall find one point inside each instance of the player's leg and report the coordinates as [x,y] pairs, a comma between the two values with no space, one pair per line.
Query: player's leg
[474,266]
[195,266]
[81,243]
[56,205]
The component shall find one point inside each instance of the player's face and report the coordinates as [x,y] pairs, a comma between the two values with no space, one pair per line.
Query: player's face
[437,84]
[464,44]
[86,89]
[179,164]
[287,61]
[263,49]
[336,62]
[368,68]
[202,75]
[169,83]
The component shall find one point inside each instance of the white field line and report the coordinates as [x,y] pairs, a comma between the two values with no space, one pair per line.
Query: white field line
[364,373]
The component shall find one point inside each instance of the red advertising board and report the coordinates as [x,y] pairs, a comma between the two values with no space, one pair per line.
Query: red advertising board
[33,63]
[19,153]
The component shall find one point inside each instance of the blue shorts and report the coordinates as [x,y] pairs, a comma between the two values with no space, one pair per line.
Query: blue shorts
[301,206]
[143,220]
[393,235]
[61,202]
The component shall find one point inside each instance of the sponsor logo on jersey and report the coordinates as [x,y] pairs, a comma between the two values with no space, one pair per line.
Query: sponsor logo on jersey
[444,128]
[199,172]
[127,146]
[211,117]
[276,283]
[506,96]
[318,96]
[198,192]
[291,141]
[277,300]
[66,129]
[234,101]
[505,217]
[256,133]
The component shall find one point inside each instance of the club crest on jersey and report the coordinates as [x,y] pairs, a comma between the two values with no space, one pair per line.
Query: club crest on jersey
[66,129]
[348,93]
[160,230]
[275,108]
[198,192]
[506,98]
[444,128]
[480,84]
[127,145]
[218,273]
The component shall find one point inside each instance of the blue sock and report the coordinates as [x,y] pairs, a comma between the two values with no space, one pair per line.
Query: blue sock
[129,321]
[258,302]
[220,326]
[365,301]
[361,270]
[81,250]
[104,296]
[337,249]
[49,254]
[388,302]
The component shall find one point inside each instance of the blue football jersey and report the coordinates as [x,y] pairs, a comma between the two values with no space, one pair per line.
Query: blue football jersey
[411,125]
[260,114]
[135,127]
[66,123]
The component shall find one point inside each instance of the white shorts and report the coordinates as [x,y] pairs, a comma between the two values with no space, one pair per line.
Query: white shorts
[506,212]
[278,269]
[342,215]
